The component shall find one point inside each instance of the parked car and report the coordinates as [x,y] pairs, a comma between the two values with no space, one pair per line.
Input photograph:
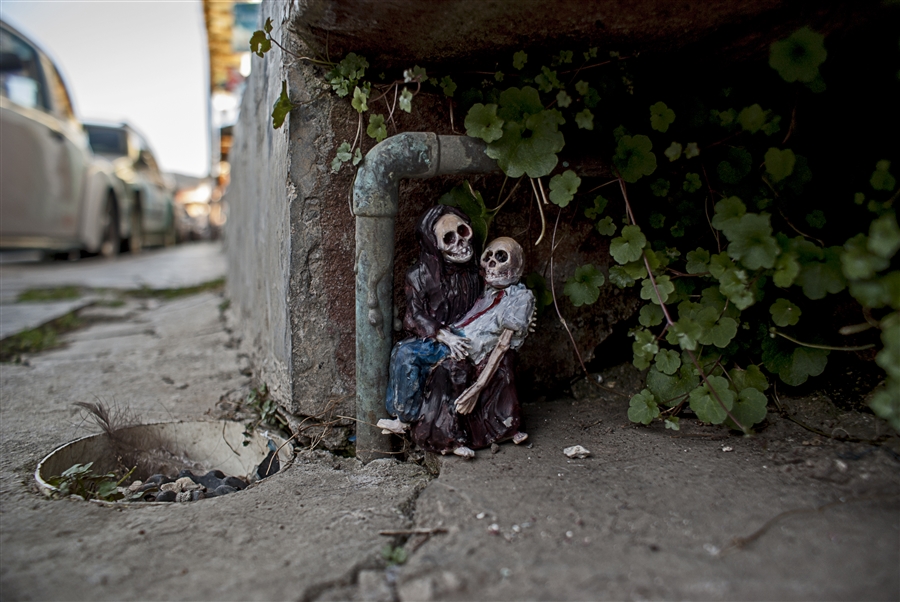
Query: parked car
[55,195]
[149,190]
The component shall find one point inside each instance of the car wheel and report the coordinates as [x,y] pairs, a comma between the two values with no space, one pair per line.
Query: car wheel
[135,241]
[111,240]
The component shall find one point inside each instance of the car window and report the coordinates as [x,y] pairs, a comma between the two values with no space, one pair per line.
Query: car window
[20,72]
[108,141]
[59,93]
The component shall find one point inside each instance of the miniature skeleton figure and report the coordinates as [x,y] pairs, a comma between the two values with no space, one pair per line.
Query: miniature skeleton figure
[471,403]
[440,288]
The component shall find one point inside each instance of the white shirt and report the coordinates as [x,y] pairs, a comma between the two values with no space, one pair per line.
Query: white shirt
[489,317]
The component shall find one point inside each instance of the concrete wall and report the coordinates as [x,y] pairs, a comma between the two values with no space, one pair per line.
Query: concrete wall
[274,233]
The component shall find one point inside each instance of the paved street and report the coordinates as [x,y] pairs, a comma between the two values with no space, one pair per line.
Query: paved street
[168,268]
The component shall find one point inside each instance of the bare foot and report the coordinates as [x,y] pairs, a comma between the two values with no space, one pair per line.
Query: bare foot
[520,437]
[464,452]
[392,426]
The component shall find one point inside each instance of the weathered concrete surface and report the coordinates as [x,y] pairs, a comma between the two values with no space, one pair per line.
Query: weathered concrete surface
[398,33]
[650,514]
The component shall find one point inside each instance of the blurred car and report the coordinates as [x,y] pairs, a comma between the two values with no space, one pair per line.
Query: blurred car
[55,195]
[193,206]
[152,215]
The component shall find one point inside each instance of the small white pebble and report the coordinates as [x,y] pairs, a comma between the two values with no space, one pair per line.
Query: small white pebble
[576,451]
[569,534]
[504,572]
[713,550]
[480,515]
[727,448]
[841,465]
[493,528]
[516,528]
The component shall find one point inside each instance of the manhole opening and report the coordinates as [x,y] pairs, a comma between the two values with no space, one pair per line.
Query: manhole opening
[195,460]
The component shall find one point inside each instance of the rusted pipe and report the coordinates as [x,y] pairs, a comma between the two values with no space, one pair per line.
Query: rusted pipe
[376,195]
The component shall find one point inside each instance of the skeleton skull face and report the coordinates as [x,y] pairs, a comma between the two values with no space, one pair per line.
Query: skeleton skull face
[454,238]
[502,262]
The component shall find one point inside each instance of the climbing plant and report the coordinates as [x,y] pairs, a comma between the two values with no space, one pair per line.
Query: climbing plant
[711,212]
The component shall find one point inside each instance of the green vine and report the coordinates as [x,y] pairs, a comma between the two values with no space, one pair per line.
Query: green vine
[715,218]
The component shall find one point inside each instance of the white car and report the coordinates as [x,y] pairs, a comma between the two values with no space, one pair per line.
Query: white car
[150,191]
[55,195]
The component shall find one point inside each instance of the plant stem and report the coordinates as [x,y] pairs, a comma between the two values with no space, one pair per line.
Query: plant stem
[541,209]
[775,331]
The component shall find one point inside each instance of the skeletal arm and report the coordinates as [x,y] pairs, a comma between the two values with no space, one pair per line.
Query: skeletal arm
[466,402]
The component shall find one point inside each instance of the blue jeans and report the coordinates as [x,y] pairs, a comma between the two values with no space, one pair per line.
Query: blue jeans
[411,363]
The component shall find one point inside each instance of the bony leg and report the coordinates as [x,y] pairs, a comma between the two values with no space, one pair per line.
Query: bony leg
[393,425]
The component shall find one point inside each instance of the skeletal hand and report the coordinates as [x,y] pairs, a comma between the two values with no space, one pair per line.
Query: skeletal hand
[459,346]
[466,402]
[533,323]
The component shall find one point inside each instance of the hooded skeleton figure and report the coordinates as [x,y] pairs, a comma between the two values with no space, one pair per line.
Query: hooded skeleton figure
[440,288]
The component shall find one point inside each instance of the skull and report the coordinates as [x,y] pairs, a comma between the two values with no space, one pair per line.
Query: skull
[454,238]
[502,262]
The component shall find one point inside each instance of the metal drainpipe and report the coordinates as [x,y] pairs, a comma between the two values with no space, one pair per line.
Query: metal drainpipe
[376,194]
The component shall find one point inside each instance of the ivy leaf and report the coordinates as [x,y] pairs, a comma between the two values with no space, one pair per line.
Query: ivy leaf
[268,25]
[752,242]
[644,348]
[636,269]
[651,315]
[673,152]
[691,182]
[405,101]
[519,60]
[260,43]
[670,390]
[886,404]
[733,284]
[879,292]
[780,163]
[660,187]
[821,278]
[752,118]
[751,377]
[784,313]
[884,236]
[618,275]
[376,128]
[736,166]
[798,57]
[706,406]
[538,286]
[606,227]
[749,408]
[585,119]
[673,422]
[563,187]
[547,80]
[881,178]
[415,75]
[805,363]
[691,150]
[357,157]
[634,157]
[684,333]
[665,286]
[719,264]
[642,408]
[563,99]
[786,270]
[282,107]
[857,262]
[657,220]
[343,152]
[499,76]
[661,117]
[715,330]
[597,210]
[668,361]
[816,219]
[448,86]
[336,165]
[697,261]
[482,122]
[629,246]
[582,87]
[360,97]
[727,213]
[529,147]
[584,287]
[517,103]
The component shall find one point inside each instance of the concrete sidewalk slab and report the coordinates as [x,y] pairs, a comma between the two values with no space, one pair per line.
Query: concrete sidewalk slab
[18,317]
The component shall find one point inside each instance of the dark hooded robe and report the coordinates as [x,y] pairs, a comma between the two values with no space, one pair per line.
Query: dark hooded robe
[438,292]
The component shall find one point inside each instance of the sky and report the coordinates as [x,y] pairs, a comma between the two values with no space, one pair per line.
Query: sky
[144,62]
